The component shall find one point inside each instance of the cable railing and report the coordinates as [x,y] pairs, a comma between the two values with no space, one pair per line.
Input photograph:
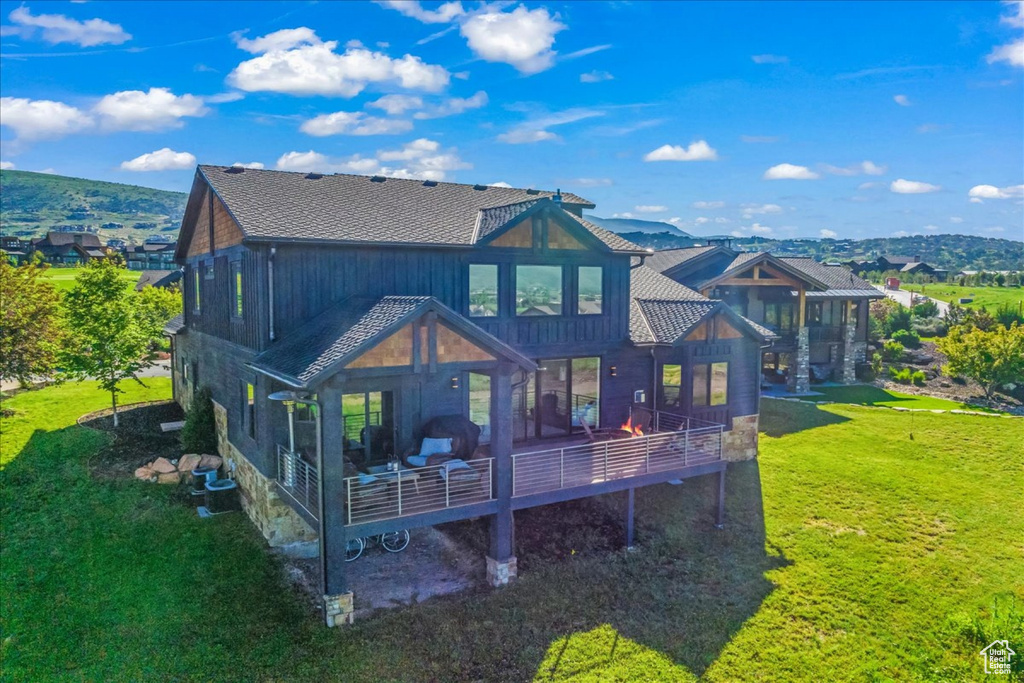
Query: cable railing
[299,480]
[673,442]
[380,494]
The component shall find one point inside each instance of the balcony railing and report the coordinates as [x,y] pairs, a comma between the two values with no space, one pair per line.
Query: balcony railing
[299,480]
[376,496]
[677,442]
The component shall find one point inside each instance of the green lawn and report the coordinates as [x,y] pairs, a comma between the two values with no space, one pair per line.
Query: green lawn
[866,395]
[64,278]
[990,297]
[853,550]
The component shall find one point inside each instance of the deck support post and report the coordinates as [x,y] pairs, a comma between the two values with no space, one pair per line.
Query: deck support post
[629,519]
[338,599]
[501,560]
[720,501]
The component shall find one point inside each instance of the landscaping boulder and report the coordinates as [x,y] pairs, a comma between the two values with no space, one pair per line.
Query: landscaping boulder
[214,461]
[189,462]
[169,477]
[163,466]
[145,473]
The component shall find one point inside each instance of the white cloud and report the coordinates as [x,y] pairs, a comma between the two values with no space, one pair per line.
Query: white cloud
[412,8]
[759,229]
[864,167]
[901,233]
[591,182]
[353,123]
[697,151]
[995,228]
[980,192]
[596,77]
[257,165]
[165,159]
[769,59]
[453,106]
[751,210]
[57,28]
[624,214]
[157,109]
[956,219]
[708,205]
[868,186]
[675,220]
[901,100]
[931,228]
[790,172]
[522,37]
[422,159]
[721,219]
[650,208]
[500,183]
[397,105]
[1011,53]
[524,136]
[535,130]
[901,186]
[6,165]
[41,119]
[828,234]
[297,62]
[223,97]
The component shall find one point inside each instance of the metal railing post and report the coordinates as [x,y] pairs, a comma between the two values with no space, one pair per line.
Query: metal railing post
[647,456]
[686,443]
[606,461]
[399,480]
[719,443]
[348,501]
[561,468]
[490,479]
[447,490]
[515,478]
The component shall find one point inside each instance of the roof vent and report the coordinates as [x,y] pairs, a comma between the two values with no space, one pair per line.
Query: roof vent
[314,176]
[377,179]
[479,187]
[558,197]
[429,183]
[235,169]
[532,191]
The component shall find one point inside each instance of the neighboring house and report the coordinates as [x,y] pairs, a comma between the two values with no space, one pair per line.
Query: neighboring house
[158,278]
[401,305]
[68,248]
[16,249]
[903,264]
[819,311]
[151,256]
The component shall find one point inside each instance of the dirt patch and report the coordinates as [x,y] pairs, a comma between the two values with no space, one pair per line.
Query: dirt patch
[137,439]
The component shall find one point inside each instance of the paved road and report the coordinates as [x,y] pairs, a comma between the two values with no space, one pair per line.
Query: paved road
[160,368]
[903,297]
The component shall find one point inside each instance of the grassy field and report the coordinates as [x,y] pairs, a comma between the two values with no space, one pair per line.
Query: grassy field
[64,278]
[990,297]
[854,550]
[866,395]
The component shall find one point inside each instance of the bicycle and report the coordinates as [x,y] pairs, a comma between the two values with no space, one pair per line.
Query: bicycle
[392,541]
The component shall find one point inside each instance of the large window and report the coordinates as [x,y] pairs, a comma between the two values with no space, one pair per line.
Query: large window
[589,290]
[483,290]
[236,283]
[250,410]
[538,290]
[196,288]
[778,317]
[710,384]
[813,313]
[480,404]
[671,385]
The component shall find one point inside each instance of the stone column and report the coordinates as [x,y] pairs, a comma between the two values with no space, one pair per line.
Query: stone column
[849,353]
[800,371]
[338,599]
[501,561]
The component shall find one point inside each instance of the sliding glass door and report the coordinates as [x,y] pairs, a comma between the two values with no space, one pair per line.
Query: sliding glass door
[558,399]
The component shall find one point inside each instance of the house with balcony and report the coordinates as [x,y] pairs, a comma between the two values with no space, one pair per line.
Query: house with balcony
[818,311]
[151,256]
[507,351]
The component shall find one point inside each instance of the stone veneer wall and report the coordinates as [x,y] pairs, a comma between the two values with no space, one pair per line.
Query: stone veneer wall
[850,355]
[800,370]
[740,443]
[275,519]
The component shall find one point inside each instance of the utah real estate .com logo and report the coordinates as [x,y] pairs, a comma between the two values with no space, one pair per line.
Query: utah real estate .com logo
[997,657]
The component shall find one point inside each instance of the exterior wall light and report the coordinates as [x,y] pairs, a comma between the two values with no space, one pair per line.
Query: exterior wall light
[455,382]
[613,371]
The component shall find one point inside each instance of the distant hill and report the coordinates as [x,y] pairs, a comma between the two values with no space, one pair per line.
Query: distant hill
[623,225]
[953,252]
[33,203]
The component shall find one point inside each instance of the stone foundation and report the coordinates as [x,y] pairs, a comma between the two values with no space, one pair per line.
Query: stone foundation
[849,369]
[800,370]
[339,610]
[740,443]
[276,520]
[501,573]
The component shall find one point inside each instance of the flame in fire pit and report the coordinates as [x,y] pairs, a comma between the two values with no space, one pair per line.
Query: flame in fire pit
[631,429]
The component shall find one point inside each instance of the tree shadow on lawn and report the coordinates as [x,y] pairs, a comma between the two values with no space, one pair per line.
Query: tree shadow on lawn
[676,601]
[779,418]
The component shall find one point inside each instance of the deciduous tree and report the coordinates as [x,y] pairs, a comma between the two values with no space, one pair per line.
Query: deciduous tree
[992,358]
[31,331]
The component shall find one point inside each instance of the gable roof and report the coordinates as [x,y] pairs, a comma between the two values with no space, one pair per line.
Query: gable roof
[350,328]
[899,259]
[662,311]
[744,260]
[283,206]
[86,239]
[835,278]
[667,259]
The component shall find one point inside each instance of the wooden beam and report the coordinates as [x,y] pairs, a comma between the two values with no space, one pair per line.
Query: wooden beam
[802,308]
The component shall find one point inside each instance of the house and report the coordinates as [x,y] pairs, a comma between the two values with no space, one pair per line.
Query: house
[339,319]
[69,248]
[15,249]
[820,312]
[151,256]
[902,264]
[161,279]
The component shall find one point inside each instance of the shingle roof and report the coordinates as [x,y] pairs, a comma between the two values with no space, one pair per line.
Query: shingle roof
[493,218]
[614,242]
[667,259]
[743,258]
[647,283]
[353,208]
[901,259]
[836,277]
[175,325]
[667,321]
[86,239]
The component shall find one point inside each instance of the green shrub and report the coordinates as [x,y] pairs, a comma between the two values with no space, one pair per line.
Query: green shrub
[926,309]
[897,319]
[909,339]
[892,350]
[918,378]
[1006,315]
[930,327]
[901,376]
[199,433]
[876,365]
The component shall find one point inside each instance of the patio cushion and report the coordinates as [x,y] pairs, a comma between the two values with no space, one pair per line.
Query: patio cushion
[432,446]
[458,470]
[366,478]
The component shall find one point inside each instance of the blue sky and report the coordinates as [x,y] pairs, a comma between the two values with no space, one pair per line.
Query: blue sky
[777,119]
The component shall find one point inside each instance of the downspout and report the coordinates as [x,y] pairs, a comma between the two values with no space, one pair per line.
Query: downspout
[270,289]
[654,381]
